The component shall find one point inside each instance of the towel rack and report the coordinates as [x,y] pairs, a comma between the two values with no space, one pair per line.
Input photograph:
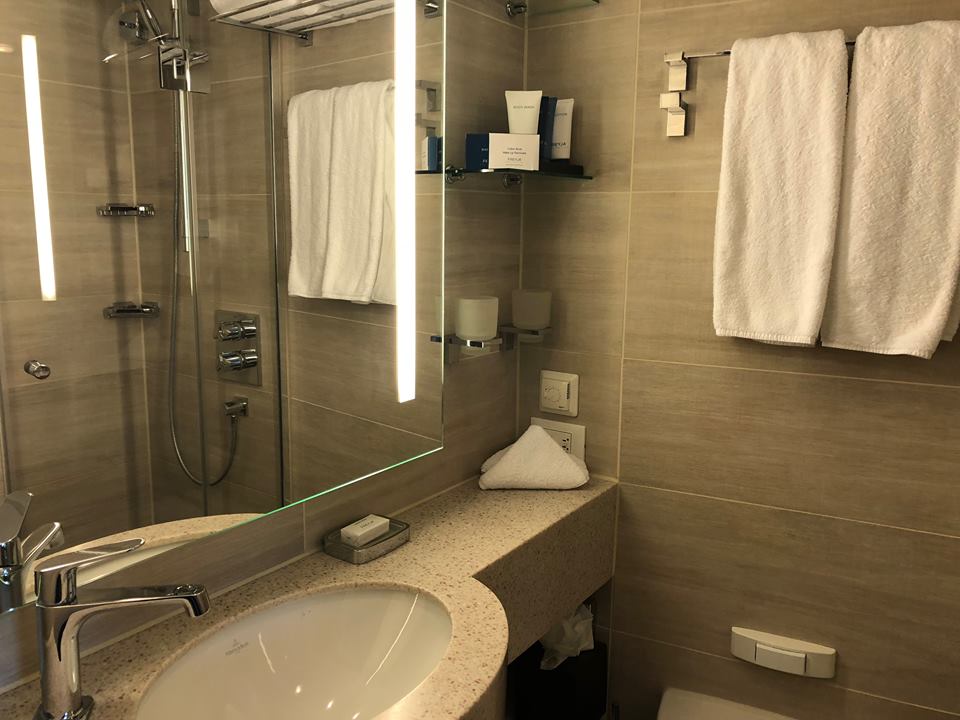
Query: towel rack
[672,100]
[283,18]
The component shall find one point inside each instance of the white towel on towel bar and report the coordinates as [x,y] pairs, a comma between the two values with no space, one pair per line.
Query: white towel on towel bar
[341,193]
[779,186]
[894,282]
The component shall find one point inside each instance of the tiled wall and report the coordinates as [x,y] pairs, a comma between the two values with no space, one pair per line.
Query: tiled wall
[811,493]
[77,440]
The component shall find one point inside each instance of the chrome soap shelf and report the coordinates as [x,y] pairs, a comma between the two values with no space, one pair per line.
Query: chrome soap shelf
[453,174]
[507,340]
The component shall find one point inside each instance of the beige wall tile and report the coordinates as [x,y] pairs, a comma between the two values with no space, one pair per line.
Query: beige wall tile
[152,120]
[488,61]
[576,247]
[670,304]
[493,9]
[351,367]
[599,399]
[589,11]
[71,336]
[603,90]
[92,256]
[882,452]
[324,453]
[641,670]
[689,567]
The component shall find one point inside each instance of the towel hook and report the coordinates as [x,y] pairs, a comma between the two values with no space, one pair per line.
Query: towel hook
[672,100]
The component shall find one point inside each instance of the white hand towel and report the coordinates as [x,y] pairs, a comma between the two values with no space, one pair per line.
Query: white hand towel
[341,188]
[895,274]
[779,186]
[533,462]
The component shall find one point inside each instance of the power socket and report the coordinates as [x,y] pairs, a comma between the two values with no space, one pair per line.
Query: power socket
[570,437]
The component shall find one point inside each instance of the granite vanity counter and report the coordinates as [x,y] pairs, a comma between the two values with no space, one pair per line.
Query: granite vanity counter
[505,564]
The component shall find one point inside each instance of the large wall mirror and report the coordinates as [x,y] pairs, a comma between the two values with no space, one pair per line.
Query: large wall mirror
[220,265]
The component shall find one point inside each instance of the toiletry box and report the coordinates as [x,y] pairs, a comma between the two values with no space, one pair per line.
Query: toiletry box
[502,151]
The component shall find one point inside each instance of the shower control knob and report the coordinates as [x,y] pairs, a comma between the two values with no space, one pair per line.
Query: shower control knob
[237,360]
[236,330]
[41,371]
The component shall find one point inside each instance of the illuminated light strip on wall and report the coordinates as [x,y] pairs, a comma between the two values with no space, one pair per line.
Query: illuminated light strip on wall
[405,216]
[38,167]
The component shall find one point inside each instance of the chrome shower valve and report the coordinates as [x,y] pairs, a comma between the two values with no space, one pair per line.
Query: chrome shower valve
[236,360]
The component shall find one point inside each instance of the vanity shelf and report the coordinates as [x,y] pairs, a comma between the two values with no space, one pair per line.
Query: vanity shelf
[510,177]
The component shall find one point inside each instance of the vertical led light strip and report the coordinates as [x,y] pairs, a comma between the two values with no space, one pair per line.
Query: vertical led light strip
[38,167]
[405,215]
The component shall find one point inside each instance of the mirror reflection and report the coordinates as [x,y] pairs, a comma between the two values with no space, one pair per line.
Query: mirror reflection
[221,267]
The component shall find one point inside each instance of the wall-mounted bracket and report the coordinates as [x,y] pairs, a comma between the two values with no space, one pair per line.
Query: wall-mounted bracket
[672,100]
[125,210]
[512,180]
[515,7]
[127,309]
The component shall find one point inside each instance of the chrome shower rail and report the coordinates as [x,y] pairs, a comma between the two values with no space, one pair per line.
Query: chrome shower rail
[300,19]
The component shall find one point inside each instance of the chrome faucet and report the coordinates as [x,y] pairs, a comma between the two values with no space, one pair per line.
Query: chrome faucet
[62,610]
[16,555]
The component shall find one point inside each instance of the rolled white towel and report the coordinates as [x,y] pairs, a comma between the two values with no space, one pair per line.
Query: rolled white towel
[533,462]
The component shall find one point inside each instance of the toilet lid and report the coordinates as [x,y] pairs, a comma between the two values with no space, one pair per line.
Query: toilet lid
[685,705]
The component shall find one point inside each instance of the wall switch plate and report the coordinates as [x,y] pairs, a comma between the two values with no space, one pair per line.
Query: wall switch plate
[572,438]
[559,393]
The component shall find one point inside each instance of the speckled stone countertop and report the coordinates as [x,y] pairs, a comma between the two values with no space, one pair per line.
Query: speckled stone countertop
[456,538]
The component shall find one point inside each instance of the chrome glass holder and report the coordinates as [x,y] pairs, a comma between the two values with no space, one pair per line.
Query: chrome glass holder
[127,309]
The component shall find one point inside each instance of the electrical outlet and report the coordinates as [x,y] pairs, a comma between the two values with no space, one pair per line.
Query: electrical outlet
[570,437]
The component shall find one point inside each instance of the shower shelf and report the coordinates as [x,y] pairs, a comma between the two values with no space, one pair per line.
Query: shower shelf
[299,19]
[505,341]
[510,177]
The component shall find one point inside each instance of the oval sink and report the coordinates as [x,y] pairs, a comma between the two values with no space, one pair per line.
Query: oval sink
[340,655]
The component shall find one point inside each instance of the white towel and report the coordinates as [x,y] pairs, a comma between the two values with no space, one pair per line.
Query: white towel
[779,186]
[894,281]
[341,193]
[364,11]
[533,462]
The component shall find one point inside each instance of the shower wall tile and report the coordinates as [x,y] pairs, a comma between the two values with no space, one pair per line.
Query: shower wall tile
[603,94]
[152,120]
[576,246]
[71,335]
[695,566]
[664,666]
[599,399]
[493,9]
[72,39]
[92,256]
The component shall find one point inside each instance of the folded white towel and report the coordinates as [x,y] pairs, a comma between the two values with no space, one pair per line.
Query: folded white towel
[534,462]
[341,188]
[779,186]
[363,11]
[898,246]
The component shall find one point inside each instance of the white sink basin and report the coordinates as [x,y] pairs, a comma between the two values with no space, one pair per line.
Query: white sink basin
[340,655]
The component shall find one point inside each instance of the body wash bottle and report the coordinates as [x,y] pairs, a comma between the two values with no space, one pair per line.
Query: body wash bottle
[562,130]
[523,110]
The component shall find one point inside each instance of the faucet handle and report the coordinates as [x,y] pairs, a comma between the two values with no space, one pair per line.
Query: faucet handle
[56,577]
[13,512]
[45,537]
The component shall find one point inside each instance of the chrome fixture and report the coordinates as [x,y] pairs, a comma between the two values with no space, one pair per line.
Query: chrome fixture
[127,309]
[238,364]
[506,341]
[516,7]
[397,535]
[236,406]
[16,555]
[125,210]
[39,370]
[62,611]
[241,329]
[282,18]
[236,360]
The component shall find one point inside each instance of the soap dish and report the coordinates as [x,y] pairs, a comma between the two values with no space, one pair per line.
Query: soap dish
[396,536]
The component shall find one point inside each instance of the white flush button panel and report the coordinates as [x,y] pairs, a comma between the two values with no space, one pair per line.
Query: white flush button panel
[559,393]
[570,437]
[788,655]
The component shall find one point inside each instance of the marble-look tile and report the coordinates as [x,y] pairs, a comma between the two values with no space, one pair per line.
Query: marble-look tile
[599,399]
[690,567]
[585,12]
[875,451]
[576,246]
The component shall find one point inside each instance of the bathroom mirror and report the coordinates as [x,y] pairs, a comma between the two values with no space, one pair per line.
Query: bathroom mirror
[221,262]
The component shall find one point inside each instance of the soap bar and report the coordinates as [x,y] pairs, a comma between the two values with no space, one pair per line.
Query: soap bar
[365,530]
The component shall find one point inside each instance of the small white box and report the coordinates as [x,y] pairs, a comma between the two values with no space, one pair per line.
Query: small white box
[510,151]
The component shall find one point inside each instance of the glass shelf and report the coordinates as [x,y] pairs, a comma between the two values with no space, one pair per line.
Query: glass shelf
[510,177]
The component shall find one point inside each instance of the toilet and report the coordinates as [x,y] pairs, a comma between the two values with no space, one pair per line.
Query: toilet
[685,705]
